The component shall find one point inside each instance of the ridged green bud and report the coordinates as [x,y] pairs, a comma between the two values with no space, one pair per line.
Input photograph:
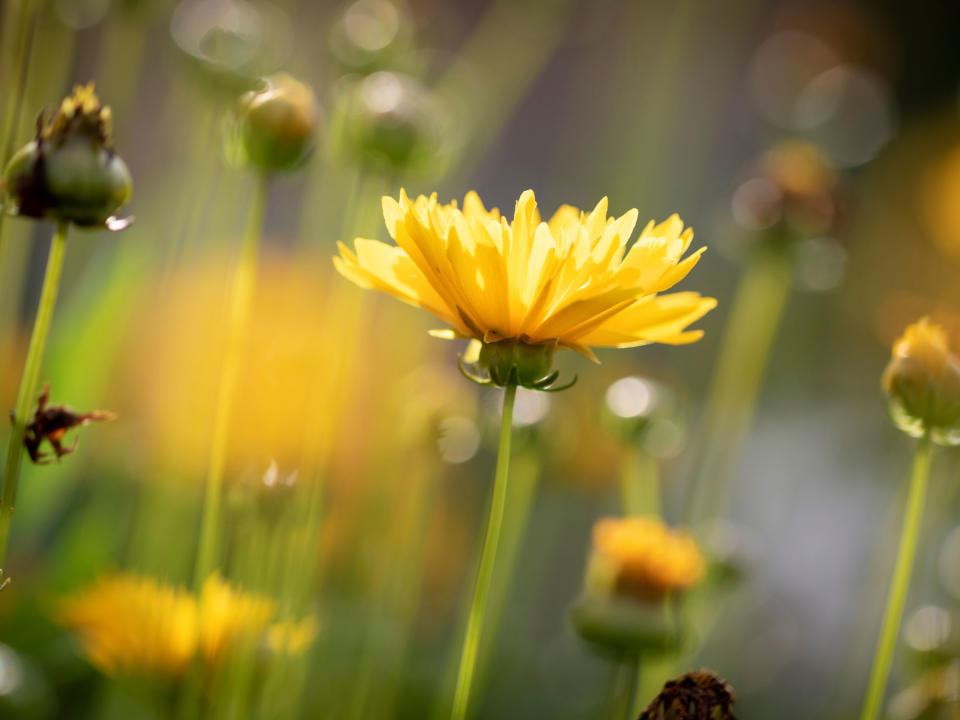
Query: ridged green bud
[922,382]
[70,172]
[275,127]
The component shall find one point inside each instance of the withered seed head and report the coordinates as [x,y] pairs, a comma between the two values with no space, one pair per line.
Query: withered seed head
[51,424]
[698,695]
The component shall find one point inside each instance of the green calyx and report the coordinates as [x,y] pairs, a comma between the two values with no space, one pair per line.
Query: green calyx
[70,172]
[513,362]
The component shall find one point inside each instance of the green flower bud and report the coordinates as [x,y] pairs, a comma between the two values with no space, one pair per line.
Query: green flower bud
[698,695]
[391,122]
[232,43]
[275,127]
[70,172]
[370,35]
[922,382]
[511,361]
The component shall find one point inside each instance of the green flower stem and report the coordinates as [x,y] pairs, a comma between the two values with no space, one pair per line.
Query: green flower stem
[471,643]
[624,672]
[883,658]
[747,339]
[241,299]
[28,384]
[26,30]
[639,482]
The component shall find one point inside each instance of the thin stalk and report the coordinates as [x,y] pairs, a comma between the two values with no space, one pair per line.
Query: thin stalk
[28,384]
[622,686]
[747,339]
[26,30]
[241,298]
[639,482]
[900,583]
[468,657]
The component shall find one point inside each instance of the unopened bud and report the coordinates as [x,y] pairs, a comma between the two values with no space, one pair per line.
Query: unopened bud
[276,126]
[70,172]
[922,382]
[391,122]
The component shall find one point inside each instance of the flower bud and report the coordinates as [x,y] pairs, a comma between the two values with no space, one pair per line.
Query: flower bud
[70,172]
[275,127]
[370,35]
[391,122]
[922,383]
[794,187]
[698,695]
[509,361]
[642,558]
[232,43]
[635,565]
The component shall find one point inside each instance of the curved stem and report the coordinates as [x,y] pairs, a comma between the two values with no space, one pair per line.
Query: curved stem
[28,383]
[883,658]
[241,298]
[468,657]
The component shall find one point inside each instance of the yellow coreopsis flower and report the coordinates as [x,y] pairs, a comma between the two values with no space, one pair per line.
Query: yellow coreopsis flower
[643,557]
[525,287]
[131,624]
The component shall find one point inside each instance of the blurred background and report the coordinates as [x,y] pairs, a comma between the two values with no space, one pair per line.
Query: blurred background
[710,110]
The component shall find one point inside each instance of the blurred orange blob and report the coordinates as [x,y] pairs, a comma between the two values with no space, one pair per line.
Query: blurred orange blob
[940,203]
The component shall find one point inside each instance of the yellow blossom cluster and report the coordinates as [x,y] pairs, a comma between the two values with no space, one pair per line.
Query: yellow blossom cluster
[132,624]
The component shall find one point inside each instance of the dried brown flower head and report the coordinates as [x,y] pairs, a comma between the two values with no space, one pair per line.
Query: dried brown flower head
[698,695]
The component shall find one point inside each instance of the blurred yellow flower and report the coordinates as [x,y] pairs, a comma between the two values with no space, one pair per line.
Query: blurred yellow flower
[569,282]
[128,624]
[292,637]
[642,557]
[226,616]
[922,382]
[132,624]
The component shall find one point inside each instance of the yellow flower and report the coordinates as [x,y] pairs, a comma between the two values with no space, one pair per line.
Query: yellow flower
[643,558]
[131,624]
[922,382]
[227,616]
[292,637]
[525,287]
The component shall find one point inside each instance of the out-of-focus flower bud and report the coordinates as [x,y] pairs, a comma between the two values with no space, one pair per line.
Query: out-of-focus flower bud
[391,122]
[645,411]
[698,695]
[274,128]
[70,172]
[922,383]
[642,558]
[935,694]
[232,43]
[635,565]
[794,190]
[370,35]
